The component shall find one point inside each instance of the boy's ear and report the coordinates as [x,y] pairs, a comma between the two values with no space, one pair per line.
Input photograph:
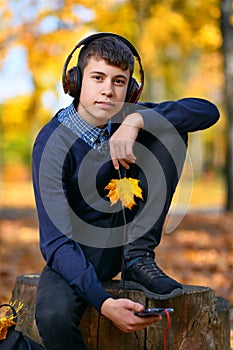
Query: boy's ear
[133,91]
[72,82]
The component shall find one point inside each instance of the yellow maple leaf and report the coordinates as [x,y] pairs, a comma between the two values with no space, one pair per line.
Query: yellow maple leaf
[124,189]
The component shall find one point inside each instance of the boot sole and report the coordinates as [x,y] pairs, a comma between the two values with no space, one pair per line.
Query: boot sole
[135,285]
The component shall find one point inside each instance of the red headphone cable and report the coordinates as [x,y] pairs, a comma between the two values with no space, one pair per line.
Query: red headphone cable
[167,329]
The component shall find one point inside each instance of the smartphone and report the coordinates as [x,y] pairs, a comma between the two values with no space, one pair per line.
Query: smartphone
[153,312]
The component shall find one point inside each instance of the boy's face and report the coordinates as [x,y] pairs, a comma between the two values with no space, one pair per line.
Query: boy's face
[103,91]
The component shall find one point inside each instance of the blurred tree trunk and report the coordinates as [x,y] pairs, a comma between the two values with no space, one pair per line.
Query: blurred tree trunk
[227,47]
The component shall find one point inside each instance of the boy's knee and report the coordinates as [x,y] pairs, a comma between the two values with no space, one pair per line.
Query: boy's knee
[61,312]
[52,315]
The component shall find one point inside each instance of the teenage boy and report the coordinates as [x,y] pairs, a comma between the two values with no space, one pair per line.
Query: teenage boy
[83,239]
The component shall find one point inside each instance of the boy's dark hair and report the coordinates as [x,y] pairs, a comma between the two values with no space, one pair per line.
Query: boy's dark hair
[109,48]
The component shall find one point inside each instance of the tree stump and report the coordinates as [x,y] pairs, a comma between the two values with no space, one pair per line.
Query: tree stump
[201,321]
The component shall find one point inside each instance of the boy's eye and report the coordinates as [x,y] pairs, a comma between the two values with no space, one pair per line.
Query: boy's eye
[119,81]
[97,77]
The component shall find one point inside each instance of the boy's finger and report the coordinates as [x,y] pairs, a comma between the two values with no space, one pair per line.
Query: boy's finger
[115,164]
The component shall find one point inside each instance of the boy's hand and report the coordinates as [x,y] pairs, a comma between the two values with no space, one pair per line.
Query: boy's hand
[122,141]
[121,313]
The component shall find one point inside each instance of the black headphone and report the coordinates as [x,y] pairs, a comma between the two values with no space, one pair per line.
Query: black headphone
[72,80]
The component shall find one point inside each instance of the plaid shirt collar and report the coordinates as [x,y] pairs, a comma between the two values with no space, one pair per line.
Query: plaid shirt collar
[92,135]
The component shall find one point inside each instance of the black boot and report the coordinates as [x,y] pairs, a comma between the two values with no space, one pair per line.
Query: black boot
[145,275]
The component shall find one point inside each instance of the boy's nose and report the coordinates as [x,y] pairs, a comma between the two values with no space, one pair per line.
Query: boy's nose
[107,89]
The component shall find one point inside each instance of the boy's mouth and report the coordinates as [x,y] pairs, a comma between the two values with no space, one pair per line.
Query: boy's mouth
[105,105]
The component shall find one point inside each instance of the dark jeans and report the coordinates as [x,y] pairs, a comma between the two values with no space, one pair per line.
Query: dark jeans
[159,171]
[58,313]
[59,308]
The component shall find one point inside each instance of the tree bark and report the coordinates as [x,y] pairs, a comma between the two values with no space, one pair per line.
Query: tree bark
[200,320]
[227,49]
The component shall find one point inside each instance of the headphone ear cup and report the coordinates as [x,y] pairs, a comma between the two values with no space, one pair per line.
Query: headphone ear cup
[73,82]
[132,91]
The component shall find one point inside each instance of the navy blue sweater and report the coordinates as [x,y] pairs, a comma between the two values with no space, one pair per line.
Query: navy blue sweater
[63,190]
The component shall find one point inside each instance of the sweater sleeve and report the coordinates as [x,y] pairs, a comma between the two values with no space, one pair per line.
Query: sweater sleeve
[186,115]
[61,252]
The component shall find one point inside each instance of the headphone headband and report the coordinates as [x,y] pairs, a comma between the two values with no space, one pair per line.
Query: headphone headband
[66,81]
[103,34]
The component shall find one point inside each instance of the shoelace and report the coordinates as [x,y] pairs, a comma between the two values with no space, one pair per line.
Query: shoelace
[151,268]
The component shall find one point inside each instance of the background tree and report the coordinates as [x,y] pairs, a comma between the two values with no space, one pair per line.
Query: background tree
[227,47]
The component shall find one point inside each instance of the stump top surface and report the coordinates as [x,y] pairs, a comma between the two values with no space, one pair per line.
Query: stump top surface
[30,279]
[33,278]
